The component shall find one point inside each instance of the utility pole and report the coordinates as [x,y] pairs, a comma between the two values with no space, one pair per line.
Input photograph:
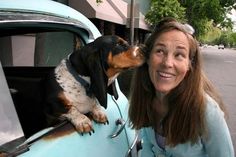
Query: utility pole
[132,22]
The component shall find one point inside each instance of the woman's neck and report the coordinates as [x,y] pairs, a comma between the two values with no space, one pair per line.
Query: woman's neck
[161,109]
[160,106]
[160,95]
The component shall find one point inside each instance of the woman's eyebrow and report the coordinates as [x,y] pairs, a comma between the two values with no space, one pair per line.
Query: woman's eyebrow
[178,47]
[182,47]
[159,44]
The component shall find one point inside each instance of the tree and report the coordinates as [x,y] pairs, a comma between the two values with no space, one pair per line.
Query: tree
[99,1]
[211,35]
[164,8]
[228,38]
[200,12]
[233,40]
[197,13]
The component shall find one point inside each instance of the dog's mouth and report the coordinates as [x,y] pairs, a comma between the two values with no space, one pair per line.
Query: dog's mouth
[137,56]
[112,79]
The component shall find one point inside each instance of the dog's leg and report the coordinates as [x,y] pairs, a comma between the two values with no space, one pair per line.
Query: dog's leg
[99,114]
[81,122]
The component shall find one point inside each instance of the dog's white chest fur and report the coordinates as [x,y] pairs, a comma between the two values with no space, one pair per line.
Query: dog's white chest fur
[73,89]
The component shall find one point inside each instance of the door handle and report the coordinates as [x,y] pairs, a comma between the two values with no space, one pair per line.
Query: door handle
[120,123]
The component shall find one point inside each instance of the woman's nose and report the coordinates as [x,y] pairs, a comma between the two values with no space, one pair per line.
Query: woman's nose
[167,61]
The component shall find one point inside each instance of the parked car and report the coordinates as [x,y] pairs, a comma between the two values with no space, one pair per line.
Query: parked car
[221,46]
[34,37]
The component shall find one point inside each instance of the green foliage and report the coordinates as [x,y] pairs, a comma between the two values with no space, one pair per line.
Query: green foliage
[211,33]
[228,38]
[232,40]
[197,13]
[164,8]
[99,1]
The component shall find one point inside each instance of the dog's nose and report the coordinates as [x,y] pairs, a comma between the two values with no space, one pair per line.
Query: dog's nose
[135,52]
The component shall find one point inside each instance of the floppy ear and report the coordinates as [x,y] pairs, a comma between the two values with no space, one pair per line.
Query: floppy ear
[112,90]
[98,80]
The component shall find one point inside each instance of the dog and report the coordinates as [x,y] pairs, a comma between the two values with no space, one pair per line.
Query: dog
[78,86]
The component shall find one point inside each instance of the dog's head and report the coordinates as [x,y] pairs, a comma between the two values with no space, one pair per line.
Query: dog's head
[105,59]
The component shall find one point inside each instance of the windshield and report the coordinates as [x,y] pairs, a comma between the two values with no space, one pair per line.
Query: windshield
[10,128]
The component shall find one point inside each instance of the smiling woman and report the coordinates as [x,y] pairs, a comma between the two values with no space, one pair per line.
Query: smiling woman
[172,103]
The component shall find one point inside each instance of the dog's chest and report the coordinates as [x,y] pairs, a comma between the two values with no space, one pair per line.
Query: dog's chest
[73,89]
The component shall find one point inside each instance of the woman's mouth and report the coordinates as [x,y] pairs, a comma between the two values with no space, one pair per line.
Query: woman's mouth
[165,75]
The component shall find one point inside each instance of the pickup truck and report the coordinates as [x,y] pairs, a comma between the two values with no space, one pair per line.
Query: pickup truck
[34,37]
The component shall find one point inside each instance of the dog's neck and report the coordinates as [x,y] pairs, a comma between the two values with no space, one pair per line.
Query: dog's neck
[79,67]
[86,84]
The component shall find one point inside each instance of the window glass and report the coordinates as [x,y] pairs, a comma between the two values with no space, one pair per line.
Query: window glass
[38,49]
[10,128]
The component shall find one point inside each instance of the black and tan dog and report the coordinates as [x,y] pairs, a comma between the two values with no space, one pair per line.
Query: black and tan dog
[80,83]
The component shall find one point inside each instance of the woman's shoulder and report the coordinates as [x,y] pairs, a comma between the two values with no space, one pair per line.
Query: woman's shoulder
[211,104]
[218,141]
[212,108]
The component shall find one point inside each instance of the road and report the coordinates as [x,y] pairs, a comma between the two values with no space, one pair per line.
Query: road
[220,67]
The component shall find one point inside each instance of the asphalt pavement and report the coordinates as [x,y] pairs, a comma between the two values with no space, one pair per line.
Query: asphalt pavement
[220,67]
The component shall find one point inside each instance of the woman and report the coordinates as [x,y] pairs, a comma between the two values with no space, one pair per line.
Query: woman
[172,103]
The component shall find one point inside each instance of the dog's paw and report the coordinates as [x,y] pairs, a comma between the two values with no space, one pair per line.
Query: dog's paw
[99,115]
[81,123]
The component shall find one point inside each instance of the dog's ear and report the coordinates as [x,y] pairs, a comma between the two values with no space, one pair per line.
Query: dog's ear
[112,90]
[98,80]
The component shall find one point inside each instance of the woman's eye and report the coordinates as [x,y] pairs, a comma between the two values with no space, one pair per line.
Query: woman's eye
[180,55]
[159,51]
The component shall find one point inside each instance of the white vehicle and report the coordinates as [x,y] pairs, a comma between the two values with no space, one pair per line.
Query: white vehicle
[221,46]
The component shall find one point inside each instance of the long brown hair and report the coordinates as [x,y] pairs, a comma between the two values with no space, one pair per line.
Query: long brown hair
[185,120]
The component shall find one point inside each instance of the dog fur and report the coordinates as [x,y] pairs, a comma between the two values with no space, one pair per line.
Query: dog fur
[79,85]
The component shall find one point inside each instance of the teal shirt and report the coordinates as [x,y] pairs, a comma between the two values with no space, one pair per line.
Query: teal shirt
[217,144]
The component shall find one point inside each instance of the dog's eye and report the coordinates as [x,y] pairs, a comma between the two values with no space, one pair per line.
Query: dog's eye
[123,45]
[126,46]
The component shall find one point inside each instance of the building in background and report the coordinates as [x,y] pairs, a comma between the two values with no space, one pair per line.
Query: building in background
[113,16]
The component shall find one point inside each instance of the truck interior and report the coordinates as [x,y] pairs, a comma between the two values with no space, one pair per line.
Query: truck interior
[26,60]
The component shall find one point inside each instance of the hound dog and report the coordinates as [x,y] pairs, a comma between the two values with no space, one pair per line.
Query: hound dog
[79,84]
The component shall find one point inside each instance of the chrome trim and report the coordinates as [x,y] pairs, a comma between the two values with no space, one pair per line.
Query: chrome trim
[120,123]
[132,146]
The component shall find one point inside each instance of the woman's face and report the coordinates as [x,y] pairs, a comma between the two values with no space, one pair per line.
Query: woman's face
[169,60]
